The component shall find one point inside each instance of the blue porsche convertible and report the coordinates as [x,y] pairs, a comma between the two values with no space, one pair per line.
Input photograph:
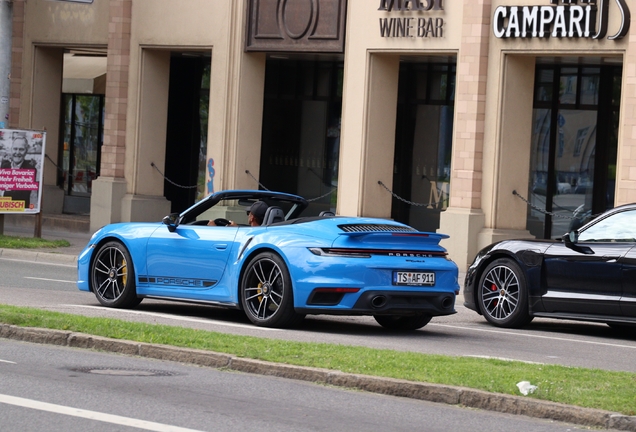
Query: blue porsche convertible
[277,272]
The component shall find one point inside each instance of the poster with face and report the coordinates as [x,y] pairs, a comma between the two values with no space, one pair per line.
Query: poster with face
[21,161]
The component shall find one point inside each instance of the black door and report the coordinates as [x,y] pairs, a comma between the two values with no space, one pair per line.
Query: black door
[592,275]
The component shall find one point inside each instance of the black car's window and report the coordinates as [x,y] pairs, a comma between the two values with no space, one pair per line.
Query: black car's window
[619,227]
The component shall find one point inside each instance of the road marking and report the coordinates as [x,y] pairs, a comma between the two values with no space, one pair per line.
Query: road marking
[50,280]
[91,415]
[506,359]
[176,318]
[39,262]
[7,361]
[537,336]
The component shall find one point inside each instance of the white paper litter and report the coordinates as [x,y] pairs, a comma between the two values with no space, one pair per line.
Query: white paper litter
[526,388]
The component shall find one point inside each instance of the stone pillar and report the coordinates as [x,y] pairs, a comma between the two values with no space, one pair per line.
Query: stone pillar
[45,115]
[108,185]
[236,110]
[144,200]
[243,149]
[626,160]
[464,219]
[368,139]
[507,158]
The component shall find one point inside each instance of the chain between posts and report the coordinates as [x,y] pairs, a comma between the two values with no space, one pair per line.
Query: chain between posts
[152,164]
[396,196]
[557,215]
[309,200]
[59,168]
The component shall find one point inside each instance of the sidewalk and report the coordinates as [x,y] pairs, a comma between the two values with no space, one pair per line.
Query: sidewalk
[77,240]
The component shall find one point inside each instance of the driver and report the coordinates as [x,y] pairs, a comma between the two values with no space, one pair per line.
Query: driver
[255,215]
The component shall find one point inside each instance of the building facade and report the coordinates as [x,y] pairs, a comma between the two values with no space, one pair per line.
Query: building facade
[485,120]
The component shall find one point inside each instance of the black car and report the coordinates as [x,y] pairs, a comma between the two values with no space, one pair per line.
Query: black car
[588,275]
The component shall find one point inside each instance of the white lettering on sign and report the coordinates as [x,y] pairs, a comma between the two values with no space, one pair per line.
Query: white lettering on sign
[568,20]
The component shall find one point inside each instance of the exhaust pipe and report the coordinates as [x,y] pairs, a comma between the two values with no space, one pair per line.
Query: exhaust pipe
[378,301]
[447,302]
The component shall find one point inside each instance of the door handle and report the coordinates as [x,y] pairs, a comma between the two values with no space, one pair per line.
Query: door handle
[220,246]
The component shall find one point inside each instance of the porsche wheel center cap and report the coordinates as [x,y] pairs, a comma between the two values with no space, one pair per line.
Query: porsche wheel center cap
[265,289]
[111,274]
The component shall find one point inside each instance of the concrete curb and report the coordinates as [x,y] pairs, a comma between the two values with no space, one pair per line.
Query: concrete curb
[39,257]
[429,392]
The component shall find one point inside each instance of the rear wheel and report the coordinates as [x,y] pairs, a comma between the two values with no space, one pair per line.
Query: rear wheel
[113,276]
[266,292]
[503,295]
[401,322]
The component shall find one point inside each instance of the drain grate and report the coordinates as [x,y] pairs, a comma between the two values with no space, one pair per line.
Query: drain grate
[123,371]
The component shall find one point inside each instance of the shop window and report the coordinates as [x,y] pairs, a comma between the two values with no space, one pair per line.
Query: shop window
[301,130]
[574,142]
[423,143]
[82,138]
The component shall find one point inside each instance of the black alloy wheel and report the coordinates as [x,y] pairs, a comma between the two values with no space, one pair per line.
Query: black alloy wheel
[503,295]
[404,323]
[266,292]
[113,276]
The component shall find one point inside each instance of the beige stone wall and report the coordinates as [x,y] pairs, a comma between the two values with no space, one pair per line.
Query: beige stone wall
[626,161]
[370,96]
[47,23]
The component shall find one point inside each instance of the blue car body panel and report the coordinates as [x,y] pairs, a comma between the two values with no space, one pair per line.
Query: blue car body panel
[204,263]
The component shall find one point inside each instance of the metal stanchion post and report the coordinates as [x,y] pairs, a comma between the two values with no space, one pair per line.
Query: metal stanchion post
[38,225]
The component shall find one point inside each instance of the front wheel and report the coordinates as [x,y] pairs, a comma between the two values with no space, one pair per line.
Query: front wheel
[503,295]
[113,276]
[266,292]
[404,323]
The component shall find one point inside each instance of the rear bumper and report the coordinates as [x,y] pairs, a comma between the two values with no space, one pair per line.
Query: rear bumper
[393,303]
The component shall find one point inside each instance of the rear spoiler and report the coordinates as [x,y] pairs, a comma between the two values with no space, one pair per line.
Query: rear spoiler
[416,237]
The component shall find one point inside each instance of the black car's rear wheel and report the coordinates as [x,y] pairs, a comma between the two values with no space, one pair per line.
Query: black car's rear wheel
[398,322]
[113,276]
[266,292]
[503,295]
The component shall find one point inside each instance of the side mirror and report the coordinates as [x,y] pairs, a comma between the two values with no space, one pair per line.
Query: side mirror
[172,221]
[571,238]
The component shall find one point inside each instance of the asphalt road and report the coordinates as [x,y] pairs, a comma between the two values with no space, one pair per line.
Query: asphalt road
[44,387]
[570,343]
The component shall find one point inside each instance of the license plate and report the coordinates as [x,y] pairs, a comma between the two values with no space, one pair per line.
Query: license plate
[414,278]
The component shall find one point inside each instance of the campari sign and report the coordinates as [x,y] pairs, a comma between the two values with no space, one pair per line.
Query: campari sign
[562,19]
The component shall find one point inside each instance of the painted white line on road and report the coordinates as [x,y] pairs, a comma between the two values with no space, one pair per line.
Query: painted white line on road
[176,318]
[536,336]
[39,262]
[7,361]
[506,359]
[50,280]
[91,415]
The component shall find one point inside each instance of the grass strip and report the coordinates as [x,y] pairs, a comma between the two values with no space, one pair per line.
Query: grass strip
[591,388]
[13,242]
